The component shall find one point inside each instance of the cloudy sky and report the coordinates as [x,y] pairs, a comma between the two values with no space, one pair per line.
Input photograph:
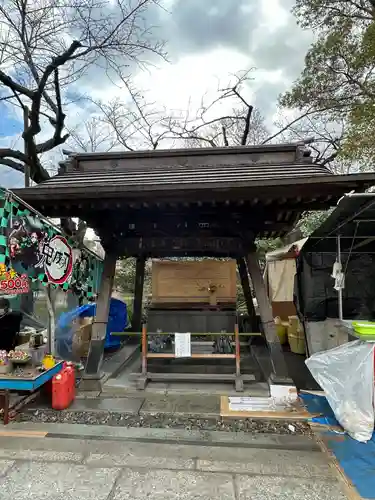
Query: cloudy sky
[207,41]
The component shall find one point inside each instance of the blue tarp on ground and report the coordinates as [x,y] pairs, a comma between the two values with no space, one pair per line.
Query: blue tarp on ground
[357,460]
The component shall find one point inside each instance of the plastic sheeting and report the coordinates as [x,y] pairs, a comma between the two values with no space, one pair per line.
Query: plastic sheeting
[346,374]
[117,322]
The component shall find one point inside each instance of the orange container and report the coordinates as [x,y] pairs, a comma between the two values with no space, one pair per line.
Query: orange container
[63,389]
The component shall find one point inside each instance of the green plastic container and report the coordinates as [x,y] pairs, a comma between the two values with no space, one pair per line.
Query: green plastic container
[365,330]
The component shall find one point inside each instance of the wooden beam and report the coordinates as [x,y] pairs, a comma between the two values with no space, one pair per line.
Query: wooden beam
[244,277]
[279,369]
[99,326]
[93,208]
[169,246]
[153,355]
[138,293]
[262,298]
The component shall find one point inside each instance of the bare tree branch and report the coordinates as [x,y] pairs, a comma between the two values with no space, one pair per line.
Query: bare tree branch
[7,162]
[208,125]
[33,50]
[14,86]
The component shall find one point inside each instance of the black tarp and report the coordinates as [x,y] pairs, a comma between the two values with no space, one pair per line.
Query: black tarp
[315,296]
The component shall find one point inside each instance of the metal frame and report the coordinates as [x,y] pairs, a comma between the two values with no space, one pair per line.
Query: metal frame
[32,385]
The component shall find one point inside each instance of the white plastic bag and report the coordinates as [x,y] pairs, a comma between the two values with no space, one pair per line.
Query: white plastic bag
[346,374]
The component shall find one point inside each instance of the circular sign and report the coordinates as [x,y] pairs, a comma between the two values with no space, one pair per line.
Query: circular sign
[59,260]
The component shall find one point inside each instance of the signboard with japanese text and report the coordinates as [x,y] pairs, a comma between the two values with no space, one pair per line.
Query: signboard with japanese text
[34,249]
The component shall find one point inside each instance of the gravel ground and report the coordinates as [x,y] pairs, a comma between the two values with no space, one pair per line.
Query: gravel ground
[166,422]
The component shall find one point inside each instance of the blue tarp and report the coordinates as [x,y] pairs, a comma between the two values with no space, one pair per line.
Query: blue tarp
[357,460]
[117,322]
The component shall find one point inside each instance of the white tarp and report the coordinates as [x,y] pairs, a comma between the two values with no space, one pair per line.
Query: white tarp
[280,272]
[346,375]
[281,280]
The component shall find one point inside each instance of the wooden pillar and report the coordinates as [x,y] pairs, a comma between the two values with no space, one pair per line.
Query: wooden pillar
[279,370]
[138,294]
[244,277]
[99,327]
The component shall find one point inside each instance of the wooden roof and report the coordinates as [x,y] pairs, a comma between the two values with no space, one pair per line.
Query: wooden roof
[174,171]
[178,178]
[242,193]
[183,172]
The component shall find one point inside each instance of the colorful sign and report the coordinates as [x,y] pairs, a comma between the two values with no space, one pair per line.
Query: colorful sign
[32,248]
[58,259]
[12,283]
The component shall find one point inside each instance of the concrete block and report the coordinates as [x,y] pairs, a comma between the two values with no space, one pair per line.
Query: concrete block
[121,405]
[194,405]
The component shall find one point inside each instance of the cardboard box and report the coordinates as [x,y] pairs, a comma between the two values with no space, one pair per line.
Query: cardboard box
[82,337]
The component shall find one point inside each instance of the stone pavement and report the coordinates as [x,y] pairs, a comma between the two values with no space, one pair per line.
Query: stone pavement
[102,463]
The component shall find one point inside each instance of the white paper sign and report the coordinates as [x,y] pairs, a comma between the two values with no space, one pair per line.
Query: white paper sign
[282,393]
[182,345]
[251,404]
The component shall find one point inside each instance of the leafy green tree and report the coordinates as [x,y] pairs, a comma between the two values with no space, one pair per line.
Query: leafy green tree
[339,79]
[125,277]
[312,220]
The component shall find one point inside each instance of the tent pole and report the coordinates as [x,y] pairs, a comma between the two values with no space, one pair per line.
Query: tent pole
[340,289]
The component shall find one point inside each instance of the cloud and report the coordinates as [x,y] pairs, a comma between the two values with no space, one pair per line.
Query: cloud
[191,77]
[207,41]
[215,38]
[284,49]
[267,92]
[196,26]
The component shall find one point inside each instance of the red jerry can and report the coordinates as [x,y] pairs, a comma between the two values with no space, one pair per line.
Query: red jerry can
[61,390]
[72,380]
[47,388]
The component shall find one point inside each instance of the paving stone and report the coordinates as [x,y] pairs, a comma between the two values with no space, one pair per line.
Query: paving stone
[272,466]
[122,405]
[5,465]
[158,404]
[41,481]
[131,460]
[286,488]
[192,405]
[172,485]
[41,455]
[207,405]
[87,394]
[220,389]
